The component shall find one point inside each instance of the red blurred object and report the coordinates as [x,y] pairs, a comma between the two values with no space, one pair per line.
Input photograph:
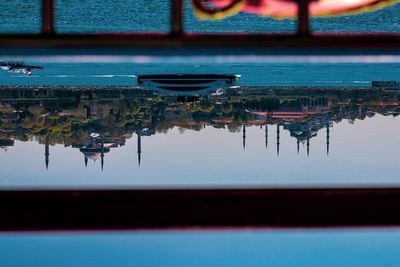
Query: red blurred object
[219,9]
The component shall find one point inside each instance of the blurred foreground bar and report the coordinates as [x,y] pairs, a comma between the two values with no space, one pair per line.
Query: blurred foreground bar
[186,209]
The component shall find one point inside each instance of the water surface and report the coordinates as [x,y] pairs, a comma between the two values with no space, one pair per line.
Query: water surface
[242,248]
[97,138]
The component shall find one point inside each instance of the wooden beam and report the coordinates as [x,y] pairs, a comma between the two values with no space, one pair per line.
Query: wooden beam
[185,209]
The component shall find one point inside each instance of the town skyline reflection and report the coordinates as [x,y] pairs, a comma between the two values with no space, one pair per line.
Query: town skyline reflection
[99,121]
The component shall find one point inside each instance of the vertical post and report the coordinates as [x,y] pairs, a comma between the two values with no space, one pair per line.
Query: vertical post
[47,17]
[176,18]
[303,13]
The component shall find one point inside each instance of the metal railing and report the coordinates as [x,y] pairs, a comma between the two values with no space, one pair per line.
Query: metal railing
[177,37]
[176,20]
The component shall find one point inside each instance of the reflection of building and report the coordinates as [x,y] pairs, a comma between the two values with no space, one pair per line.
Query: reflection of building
[68,122]
[7,117]
[303,118]
[96,146]
[140,133]
[295,110]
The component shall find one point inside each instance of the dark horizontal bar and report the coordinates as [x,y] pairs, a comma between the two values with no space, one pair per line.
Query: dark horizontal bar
[165,209]
[47,17]
[130,40]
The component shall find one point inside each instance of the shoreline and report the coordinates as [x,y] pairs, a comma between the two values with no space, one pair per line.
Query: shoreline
[136,88]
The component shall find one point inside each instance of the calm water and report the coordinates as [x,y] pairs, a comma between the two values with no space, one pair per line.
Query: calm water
[80,16]
[244,248]
[254,72]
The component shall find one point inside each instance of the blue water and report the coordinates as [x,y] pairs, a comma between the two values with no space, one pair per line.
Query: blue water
[308,74]
[84,16]
[371,248]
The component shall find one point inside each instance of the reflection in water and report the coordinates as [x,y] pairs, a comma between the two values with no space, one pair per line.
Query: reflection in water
[95,120]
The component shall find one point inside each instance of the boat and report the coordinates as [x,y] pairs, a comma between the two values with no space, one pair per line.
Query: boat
[187,84]
[18,67]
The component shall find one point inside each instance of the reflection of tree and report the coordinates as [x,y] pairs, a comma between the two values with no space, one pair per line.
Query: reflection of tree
[66,121]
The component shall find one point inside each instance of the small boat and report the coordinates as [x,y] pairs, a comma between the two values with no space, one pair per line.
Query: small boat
[18,67]
[186,84]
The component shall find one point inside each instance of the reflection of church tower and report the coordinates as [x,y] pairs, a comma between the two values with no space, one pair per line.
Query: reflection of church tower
[308,146]
[266,136]
[102,152]
[94,149]
[46,153]
[277,139]
[244,136]
[298,146]
[327,139]
[139,146]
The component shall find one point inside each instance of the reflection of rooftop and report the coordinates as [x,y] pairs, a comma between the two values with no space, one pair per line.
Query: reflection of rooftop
[292,112]
[384,103]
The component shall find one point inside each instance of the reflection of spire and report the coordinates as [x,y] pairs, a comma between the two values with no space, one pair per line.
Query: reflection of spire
[308,146]
[102,153]
[266,135]
[298,146]
[327,139]
[244,136]
[277,139]
[46,153]
[139,147]
[86,160]
[88,111]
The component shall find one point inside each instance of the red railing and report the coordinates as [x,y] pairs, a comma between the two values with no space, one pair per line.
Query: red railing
[177,37]
[176,20]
